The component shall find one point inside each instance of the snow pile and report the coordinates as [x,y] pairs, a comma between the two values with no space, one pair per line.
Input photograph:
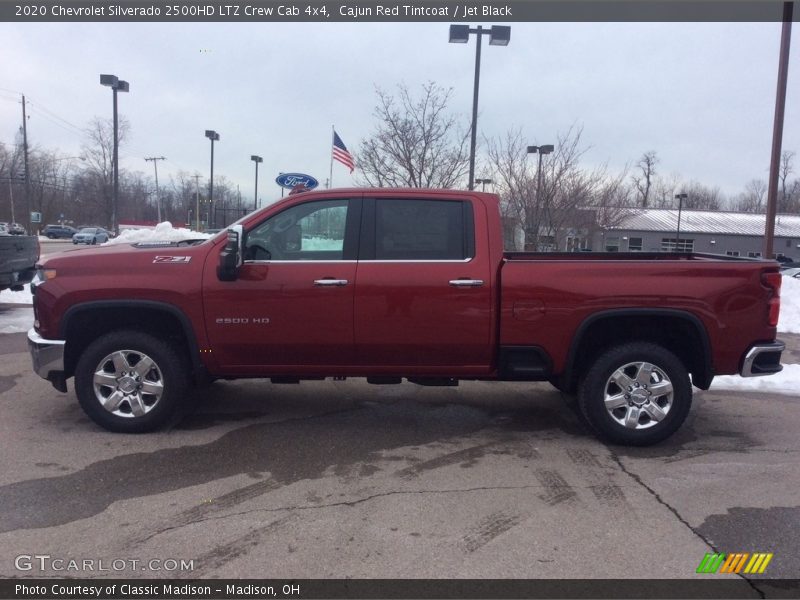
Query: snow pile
[17,320]
[163,232]
[789,320]
[785,382]
[318,243]
[9,297]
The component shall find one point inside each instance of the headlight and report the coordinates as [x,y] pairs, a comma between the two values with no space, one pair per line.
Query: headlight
[41,276]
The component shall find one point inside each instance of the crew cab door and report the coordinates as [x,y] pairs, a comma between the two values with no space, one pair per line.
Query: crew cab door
[291,307]
[423,286]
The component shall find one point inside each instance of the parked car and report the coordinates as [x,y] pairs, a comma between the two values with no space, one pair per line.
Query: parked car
[4,229]
[54,232]
[16,229]
[108,231]
[90,235]
[408,284]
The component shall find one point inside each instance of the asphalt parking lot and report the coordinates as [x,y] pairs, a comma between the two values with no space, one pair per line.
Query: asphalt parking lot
[344,479]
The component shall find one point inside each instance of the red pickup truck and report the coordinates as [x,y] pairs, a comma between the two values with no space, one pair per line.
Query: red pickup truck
[394,283]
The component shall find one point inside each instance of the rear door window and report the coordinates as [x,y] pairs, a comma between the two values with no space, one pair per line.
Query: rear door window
[423,230]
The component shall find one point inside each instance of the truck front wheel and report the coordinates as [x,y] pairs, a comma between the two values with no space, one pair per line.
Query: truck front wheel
[635,394]
[130,381]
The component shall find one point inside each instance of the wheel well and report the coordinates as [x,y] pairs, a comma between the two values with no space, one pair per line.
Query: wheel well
[87,325]
[681,335]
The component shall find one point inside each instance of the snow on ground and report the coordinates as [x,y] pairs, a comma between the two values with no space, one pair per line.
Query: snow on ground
[163,232]
[785,382]
[318,243]
[16,320]
[23,297]
[789,320]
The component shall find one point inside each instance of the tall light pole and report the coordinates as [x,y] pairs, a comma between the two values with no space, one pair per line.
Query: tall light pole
[680,198]
[483,183]
[541,150]
[256,159]
[214,137]
[499,35]
[117,85]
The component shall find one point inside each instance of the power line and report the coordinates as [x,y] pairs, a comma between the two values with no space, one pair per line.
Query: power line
[43,108]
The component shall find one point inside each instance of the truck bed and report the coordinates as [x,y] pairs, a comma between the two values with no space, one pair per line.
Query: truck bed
[625,256]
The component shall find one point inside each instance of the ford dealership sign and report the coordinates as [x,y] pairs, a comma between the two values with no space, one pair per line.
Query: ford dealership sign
[290,180]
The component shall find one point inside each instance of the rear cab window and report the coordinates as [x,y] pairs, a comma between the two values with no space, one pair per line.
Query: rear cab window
[417,230]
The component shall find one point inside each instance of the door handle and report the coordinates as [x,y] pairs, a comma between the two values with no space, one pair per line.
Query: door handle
[466,282]
[330,282]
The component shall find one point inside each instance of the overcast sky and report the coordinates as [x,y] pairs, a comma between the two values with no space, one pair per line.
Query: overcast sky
[701,95]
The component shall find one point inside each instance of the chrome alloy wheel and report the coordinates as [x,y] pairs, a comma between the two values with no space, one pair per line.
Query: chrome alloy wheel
[128,383]
[638,395]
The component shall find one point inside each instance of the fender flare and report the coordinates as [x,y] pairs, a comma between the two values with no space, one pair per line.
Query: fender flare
[700,380]
[171,309]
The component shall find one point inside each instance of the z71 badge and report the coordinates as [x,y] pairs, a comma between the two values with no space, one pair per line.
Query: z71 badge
[172,259]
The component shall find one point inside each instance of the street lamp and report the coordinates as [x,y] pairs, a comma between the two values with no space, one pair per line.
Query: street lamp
[499,35]
[256,159]
[117,85]
[541,150]
[214,137]
[680,198]
[483,183]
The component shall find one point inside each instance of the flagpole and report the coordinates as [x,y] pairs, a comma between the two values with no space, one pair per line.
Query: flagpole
[333,133]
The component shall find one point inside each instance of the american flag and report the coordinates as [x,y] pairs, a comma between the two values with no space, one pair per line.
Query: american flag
[341,154]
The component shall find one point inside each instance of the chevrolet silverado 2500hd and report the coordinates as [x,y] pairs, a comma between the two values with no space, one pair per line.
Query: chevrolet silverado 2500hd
[396,283]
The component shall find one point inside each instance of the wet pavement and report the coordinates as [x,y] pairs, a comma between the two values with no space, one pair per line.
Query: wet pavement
[344,479]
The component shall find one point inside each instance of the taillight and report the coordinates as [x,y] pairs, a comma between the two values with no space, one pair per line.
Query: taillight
[773,280]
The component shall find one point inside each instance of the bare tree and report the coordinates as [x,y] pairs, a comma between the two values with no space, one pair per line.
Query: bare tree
[753,199]
[98,151]
[571,200]
[514,180]
[643,179]
[417,143]
[662,193]
[788,196]
[702,197]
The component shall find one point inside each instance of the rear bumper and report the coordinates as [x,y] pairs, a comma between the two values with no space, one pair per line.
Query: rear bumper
[763,359]
[48,358]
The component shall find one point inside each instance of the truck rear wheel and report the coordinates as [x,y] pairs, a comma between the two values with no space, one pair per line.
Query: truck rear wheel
[130,381]
[636,394]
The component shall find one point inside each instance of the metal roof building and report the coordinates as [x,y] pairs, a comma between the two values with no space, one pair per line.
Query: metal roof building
[733,233]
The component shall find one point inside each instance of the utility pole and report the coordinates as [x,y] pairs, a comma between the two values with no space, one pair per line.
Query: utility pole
[25,159]
[777,130]
[155,160]
[197,201]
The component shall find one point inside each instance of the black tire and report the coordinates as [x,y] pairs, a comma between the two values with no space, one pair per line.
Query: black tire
[94,241]
[636,407]
[169,372]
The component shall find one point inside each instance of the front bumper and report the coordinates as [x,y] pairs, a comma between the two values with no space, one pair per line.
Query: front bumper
[48,358]
[763,359]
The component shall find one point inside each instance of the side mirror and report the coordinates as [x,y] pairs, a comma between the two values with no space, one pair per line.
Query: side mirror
[230,259]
